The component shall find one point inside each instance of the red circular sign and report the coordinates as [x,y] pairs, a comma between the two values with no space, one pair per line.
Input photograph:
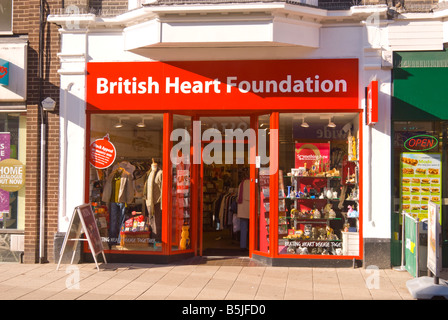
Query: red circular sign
[102,153]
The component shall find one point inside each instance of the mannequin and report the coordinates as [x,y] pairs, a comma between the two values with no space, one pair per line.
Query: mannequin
[118,191]
[153,197]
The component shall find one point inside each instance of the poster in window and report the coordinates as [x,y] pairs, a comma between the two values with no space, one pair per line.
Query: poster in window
[421,182]
[102,153]
[311,155]
[434,257]
[5,147]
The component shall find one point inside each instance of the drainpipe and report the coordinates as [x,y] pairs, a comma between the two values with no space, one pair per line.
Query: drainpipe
[42,136]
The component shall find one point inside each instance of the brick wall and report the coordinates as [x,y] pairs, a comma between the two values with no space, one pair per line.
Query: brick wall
[26,22]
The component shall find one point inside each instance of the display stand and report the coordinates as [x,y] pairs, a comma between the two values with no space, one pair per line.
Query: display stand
[83,220]
[402,267]
[431,287]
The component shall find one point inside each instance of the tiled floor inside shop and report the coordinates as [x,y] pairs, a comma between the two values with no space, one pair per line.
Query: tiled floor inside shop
[222,261]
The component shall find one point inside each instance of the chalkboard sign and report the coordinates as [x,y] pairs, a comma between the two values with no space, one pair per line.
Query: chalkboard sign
[83,220]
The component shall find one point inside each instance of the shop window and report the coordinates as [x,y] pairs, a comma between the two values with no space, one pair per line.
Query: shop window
[5,16]
[126,179]
[318,210]
[181,236]
[419,160]
[12,146]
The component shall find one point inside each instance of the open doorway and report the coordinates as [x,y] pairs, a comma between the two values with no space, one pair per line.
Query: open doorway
[225,189]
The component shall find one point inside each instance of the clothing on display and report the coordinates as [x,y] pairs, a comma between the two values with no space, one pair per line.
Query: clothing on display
[243,212]
[244,199]
[131,189]
[152,194]
[221,221]
[118,187]
[224,208]
[118,191]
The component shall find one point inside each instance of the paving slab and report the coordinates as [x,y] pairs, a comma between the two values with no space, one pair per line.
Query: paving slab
[200,279]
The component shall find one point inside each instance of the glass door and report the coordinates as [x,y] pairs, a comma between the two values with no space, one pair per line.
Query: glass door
[444,150]
[262,229]
[224,201]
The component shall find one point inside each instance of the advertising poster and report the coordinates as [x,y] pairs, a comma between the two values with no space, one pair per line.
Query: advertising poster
[4,154]
[90,228]
[312,154]
[434,259]
[4,72]
[12,175]
[102,153]
[421,181]
[183,181]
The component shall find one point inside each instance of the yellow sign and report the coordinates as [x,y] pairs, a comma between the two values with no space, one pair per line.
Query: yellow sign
[12,175]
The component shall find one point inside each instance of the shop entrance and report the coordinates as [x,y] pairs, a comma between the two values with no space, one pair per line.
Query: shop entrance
[224,184]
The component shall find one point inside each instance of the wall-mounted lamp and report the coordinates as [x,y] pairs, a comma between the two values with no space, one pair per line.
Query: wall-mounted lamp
[119,124]
[141,124]
[331,124]
[48,104]
[304,124]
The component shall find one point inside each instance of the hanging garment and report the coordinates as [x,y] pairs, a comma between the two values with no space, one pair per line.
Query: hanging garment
[119,179]
[244,199]
[153,198]
[153,189]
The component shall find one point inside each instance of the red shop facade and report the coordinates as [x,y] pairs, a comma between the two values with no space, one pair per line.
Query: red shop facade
[259,158]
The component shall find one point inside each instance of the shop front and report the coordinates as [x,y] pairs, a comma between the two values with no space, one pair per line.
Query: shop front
[419,141]
[13,74]
[230,157]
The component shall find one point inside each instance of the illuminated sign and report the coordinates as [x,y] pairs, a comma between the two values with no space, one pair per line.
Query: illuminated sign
[372,103]
[194,85]
[4,72]
[422,142]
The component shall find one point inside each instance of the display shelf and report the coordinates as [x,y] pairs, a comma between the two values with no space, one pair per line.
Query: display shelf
[318,220]
[288,241]
[314,177]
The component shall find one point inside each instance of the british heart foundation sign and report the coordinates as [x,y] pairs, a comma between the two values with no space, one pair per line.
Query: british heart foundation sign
[244,84]
[102,153]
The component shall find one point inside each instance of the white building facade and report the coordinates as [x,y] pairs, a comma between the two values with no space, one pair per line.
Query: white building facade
[157,39]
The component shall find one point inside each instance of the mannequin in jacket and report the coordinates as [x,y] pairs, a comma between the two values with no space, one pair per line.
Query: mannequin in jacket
[153,197]
[118,191]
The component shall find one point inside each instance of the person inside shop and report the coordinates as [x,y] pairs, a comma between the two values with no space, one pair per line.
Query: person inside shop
[243,210]
[153,199]
[118,192]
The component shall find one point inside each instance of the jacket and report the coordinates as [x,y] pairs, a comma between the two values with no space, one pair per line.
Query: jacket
[126,191]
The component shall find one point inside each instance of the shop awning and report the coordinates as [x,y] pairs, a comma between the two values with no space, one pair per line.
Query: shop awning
[419,86]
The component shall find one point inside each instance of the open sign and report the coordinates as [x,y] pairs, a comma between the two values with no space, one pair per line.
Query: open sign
[421,142]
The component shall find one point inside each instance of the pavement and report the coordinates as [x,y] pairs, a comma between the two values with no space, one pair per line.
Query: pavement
[200,278]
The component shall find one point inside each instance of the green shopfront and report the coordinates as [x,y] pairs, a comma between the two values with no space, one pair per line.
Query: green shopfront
[420,135]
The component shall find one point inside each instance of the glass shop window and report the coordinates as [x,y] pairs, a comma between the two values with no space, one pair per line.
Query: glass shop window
[12,146]
[126,179]
[318,184]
